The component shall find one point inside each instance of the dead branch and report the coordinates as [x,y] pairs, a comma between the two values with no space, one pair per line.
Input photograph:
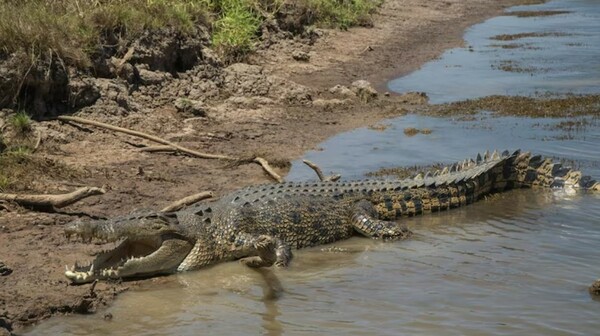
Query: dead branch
[187,201]
[265,164]
[38,141]
[56,201]
[127,57]
[173,146]
[145,136]
[153,149]
[330,178]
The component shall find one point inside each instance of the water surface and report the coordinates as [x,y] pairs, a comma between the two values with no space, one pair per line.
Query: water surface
[560,54]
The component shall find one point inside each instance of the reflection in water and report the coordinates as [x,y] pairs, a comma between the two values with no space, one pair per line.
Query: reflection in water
[272,290]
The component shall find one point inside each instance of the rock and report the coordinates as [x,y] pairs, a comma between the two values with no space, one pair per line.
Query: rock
[129,73]
[342,91]
[4,270]
[595,288]
[148,77]
[249,102]
[329,104]
[289,92]
[246,80]
[82,92]
[301,56]
[250,81]
[9,75]
[364,90]
[414,98]
[194,107]
[167,50]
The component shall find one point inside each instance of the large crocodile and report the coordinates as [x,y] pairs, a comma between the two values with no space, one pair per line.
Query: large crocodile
[262,224]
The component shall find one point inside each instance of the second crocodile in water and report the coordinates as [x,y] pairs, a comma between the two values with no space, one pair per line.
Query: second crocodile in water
[261,225]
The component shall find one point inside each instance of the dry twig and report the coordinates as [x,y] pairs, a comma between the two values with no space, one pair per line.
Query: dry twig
[187,201]
[145,136]
[175,147]
[153,149]
[330,178]
[265,164]
[55,201]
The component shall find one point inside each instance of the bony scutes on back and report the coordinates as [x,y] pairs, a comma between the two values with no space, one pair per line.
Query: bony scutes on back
[262,224]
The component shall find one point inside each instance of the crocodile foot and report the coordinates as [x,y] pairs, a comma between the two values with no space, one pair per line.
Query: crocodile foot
[265,249]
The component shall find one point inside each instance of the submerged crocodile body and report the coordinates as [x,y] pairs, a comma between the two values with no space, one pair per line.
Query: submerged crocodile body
[262,224]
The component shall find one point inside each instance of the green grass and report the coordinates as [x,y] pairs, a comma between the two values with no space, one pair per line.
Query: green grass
[21,123]
[343,13]
[235,31]
[19,151]
[5,183]
[69,32]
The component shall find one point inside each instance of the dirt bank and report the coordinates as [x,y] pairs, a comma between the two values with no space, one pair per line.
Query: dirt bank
[278,106]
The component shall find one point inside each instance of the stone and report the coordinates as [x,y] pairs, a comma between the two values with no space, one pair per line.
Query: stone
[194,107]
[364,90]
[301,56]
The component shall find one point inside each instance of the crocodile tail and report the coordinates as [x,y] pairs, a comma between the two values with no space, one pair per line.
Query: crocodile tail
[524,170]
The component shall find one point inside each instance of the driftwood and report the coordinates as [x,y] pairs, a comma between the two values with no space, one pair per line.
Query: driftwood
[53,201]
[145,136]
[330,178]
[170,146]
[265,164]
[154,149]
[187,201]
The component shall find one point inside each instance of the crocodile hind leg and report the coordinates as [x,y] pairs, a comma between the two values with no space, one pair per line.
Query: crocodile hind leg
[365,223]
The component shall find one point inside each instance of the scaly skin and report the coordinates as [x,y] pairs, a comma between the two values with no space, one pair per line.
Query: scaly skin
[262,224]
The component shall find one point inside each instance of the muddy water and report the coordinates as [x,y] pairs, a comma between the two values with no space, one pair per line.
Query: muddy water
[516,264]
[556,53]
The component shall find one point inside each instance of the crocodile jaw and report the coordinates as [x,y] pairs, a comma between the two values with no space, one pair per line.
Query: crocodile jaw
[111,263]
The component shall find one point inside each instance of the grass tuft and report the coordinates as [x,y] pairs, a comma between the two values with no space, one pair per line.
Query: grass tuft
[235,31]
[5,183]
[343,13]
[21,123]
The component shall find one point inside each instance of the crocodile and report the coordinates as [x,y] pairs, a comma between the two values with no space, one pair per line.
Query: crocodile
[261,225]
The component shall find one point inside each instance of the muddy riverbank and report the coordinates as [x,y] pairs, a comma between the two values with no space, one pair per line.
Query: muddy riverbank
[277,106]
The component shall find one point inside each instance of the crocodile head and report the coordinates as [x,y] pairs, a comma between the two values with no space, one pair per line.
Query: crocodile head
[147,244]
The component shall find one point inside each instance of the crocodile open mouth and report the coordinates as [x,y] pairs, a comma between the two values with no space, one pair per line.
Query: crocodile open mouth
[110,263]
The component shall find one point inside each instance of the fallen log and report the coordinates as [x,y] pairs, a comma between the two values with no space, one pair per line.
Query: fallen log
[265,164]
[145,136]
[54,201]
[187,201]
[173,146]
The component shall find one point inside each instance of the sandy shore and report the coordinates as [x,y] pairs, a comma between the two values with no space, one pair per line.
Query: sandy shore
[406,34]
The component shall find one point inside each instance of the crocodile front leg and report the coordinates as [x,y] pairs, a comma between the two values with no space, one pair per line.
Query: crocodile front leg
[256,251]
[363,222]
